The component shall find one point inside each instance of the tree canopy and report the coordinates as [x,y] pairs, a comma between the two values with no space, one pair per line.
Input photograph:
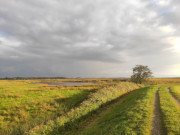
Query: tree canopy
[141,74]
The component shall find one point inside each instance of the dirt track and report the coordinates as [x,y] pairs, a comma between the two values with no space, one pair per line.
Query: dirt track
[157,124]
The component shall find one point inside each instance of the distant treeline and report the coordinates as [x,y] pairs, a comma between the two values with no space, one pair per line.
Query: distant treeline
[28,78]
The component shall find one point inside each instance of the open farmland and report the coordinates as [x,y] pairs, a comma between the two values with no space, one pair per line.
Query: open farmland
[99,107]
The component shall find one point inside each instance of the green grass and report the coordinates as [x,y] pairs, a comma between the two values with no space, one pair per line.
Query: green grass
[170,112]
[132,117]
[27,107]
[175,90]
[94,101]
[24,105]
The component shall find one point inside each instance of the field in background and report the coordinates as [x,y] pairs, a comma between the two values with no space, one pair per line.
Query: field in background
[32,107]
[164,80]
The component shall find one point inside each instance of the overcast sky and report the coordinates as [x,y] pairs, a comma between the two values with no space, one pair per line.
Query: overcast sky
[89,38]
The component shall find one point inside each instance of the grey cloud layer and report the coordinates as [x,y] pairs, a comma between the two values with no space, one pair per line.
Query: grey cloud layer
[84,38]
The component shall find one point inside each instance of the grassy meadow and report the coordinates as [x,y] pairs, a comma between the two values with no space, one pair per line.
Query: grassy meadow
[98,107]
[25,104]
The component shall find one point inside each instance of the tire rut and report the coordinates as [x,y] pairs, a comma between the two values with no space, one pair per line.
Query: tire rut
[157,123]
[174,98]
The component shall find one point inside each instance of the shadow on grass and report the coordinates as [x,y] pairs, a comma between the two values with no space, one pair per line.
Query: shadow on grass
[74,125]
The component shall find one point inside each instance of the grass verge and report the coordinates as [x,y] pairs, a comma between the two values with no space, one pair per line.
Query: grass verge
[133,116]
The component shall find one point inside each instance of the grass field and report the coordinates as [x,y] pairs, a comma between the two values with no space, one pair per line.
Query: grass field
[93,102]
[26,103]
[105,106]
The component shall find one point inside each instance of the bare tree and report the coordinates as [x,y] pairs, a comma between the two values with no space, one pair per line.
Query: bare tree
[141,74]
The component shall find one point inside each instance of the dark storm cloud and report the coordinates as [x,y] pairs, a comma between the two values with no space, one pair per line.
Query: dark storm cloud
[85,38]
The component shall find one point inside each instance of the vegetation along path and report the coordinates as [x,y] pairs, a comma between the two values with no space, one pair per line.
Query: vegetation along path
[90,121]
[93,103]
[131,114]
